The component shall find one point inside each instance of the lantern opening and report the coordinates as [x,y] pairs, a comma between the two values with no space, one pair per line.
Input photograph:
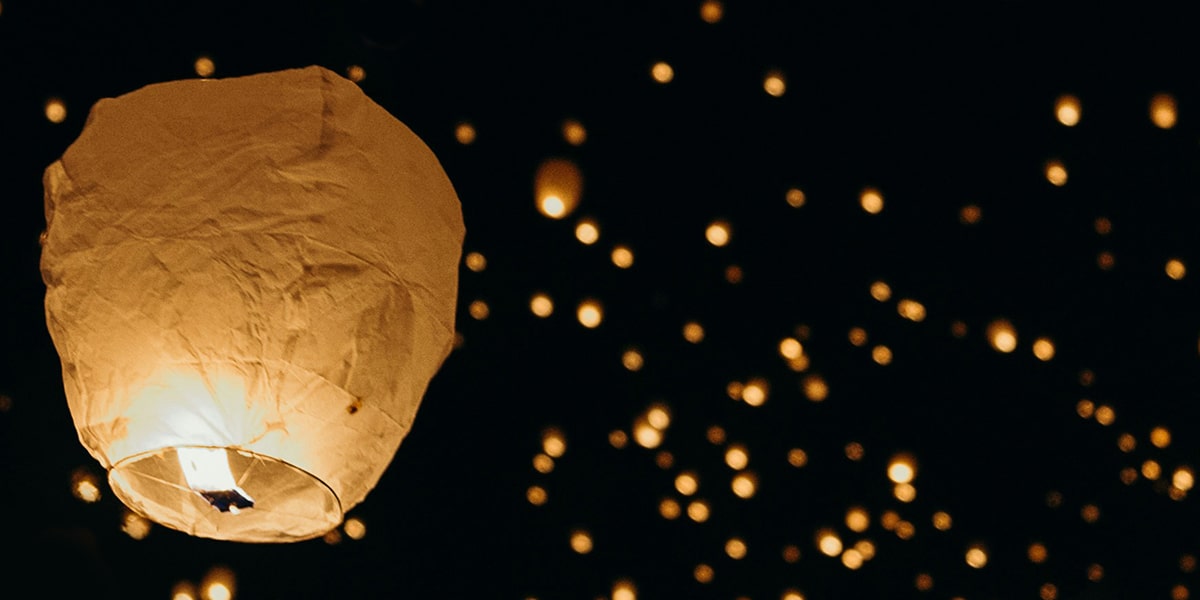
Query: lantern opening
[207,472]
[182,485]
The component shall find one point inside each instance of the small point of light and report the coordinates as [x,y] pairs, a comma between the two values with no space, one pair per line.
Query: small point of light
[590,314]
[558,184]
[693,332]
[1090,513]
[541,305]
[56,110]
[543,464]
[536,495]
[970,214]
[1067,110]
[1105,415]
[1175,269]
[183,590]
[871,201]
[791,595]
[717,233]
[703,573]
[857,336]
[204,66]
[797,457]
[866,548]
[581,541]
[774,84]
[1056,173]
[854,451]
[665,460]
[976,557]
[135,526]
[632,360]
[882,355]
[795,197]
[1105,260]
[942,521]
[658,416]
[1043,349]
[852,559]
[646,435]
[958,329]
[553,443]
[85,487]
[1002,336]
[905,530]
[662,72]
[587,232]
[791,554]
[479,310]
[911,310]
[735,548]
[356,73]
[881,291]
[574,132]
[889,520]
[790,348]
[1183,479]
[923,582]
[618,439]
[669,509]
[622,257]
[1162,111]
[465,133]
[355,528]
[904,492]
[1085,408]
[218,584]
[733,274]
[475,261]
[1160,436]
[1103,225]
[1126,442]
[711,11]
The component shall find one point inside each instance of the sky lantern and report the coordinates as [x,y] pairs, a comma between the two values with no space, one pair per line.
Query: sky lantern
[250,283]
[557,187]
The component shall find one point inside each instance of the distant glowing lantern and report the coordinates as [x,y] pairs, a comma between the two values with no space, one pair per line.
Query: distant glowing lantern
[250,282]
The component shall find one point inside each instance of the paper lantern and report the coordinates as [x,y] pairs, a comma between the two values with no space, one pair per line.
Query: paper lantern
[250,282]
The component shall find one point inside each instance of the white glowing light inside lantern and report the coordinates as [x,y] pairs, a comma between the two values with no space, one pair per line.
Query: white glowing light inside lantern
[207,472]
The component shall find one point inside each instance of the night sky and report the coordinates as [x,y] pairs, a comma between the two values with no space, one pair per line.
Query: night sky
[533,470]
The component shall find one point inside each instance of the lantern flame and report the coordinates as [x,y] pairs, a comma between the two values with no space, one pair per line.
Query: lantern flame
[208,474]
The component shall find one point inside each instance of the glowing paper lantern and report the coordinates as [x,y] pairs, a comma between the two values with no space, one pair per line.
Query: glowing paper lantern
[250,282]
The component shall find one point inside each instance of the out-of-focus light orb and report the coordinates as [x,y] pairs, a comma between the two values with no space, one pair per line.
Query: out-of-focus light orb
[734,390]
[581,541]
[632,360]
[923,582]
[866,548]
[587,232]
[1128,475]
[536,495]
[574,132]
[554,444]
[711,11]
[1002,336]
[1162,111]
[854,451]
[1175,269]
[624,590]
[665,460]
[902,468]
[1160,436]
[889,519]
[479,310]
[815,388]
[1103,225]
[905,530]
[790,348]
[1126,442]
[1048,591]
[475,261]
[1068,110]
[135,526]
[590,314]
[958,329]
[1090,513]
[1054,499]
[755,392]
[543,464]
[1187,563]
[852,559]
[1043,349]
[622,257]
[1183,479]
[976,557]
[791,595]
[717,233]
[1085,408]
[85,487]
[658,416]
[857,336]
[697,511]
[1151,470]
[355,528]
[204,66]
[557,186]
[465,133]
[1105,415]
[871,201]
[541,305]
[735,548]
[1095,572]
[715,435]
[1105,260]
[795,197]
[774,83]
[882,355]
[857,519]
[1036,553]
[737,457]
[356,73]
[828,542]
[733,274]
[703,573]
[1056,173]
[904,492]
[218,584]
[744,485]
[184,590]
[662,72]
[669,509]
[970,214]
[791,554]
[942,521]
[1180,592]
[55,110]
[911,310]
[797,457]
[686,483]
[693,332]
[618,439]
[881,291]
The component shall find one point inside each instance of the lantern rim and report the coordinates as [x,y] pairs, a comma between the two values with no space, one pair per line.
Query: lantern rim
[153,485]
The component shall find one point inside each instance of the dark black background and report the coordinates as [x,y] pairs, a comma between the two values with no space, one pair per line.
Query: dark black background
[937,106]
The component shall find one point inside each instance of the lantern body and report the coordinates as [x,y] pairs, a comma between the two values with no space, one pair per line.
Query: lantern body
[256,275]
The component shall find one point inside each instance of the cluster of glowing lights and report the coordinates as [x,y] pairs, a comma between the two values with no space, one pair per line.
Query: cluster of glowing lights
[650,427]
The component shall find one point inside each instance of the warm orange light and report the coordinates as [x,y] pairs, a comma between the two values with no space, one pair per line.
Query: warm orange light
[857,336]
[703,573]
[1002,336]
[1056,173]
[632,360]
[554,444]
[735,548]
[1175,269]
[557,185]
[693,332]
[871,201]
[697,511]
[590,314]
[475,261]
[574,132]
[1067,110]
[205,67]
[882,355]
[744,485]
[942,521]
[902,468]
[686,483]
[662,72]
[815,388]
[711,11]
[354,73]
[976,557]
[737,457]
[774,84]
[541,305]
[797,457]
[622,257]
[536,495]
[828,542]
[1160,436]
[795,197]
[1162,111]
[1036,552]
[56,110]
[669,509]
[135,526]
[1043,349]
[755,391]
[624,590]
[717,233]
[857,519]
[581,541]
[479,310]
[970,214]
[465,133]
[911,310]
[881,291]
